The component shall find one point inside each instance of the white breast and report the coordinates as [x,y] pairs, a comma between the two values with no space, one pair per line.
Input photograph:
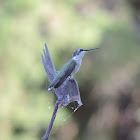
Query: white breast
[77,66]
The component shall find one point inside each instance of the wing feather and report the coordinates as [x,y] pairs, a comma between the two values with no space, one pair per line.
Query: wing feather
[64,73]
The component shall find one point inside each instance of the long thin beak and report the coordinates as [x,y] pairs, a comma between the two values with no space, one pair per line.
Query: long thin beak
[91,49]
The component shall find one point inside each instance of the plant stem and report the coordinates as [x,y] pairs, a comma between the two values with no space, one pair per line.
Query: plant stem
[46,137]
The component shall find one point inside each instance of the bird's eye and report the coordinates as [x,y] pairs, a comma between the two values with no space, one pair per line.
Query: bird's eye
[79,51]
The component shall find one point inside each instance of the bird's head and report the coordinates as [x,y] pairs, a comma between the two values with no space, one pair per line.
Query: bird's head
[81,52]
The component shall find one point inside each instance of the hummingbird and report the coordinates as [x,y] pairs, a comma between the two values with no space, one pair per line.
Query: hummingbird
[70,68]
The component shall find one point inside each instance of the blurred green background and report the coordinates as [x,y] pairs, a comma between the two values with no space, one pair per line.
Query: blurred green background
[109,78]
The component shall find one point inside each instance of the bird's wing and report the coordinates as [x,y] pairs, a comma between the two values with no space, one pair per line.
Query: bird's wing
[63,74]
[67,73]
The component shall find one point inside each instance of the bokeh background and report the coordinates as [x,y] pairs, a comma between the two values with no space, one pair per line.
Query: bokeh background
[109,78]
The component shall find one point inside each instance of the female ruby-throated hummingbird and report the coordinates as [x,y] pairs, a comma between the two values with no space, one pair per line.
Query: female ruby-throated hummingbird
[70,68]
